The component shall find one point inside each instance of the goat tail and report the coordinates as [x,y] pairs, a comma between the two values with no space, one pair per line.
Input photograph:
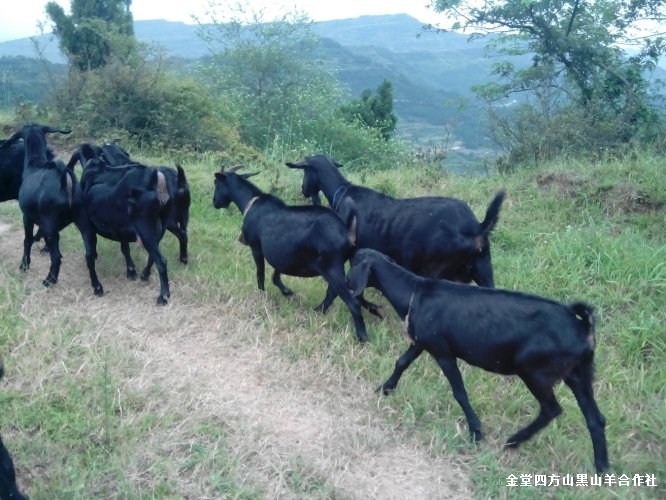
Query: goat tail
[182,181]
[585,313]
[492,214]
[162,191]
[68,184]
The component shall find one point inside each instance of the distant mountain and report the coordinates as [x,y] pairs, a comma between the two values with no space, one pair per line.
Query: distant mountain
[431,72]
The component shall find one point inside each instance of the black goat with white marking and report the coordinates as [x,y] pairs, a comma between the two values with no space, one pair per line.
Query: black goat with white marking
[437,237]
[8,487]
[179,192]
[511,333]
[302,241]
[49,197]
[125,204]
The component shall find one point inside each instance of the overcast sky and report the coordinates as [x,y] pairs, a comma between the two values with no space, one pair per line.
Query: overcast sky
[22,18]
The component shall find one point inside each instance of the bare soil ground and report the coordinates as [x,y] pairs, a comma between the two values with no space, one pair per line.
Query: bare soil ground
[220,365]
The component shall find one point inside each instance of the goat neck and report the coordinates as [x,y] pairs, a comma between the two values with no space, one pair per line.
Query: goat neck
[398,285]
[35,149]
[242,192]
[332,183]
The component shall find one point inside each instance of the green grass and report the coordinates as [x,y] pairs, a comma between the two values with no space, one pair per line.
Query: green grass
[591,241]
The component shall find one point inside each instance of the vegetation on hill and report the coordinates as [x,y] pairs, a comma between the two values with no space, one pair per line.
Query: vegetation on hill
[581,77]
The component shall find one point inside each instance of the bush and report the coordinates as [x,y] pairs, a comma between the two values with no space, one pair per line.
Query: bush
[140,99]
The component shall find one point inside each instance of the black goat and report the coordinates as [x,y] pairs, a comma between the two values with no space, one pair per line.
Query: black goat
[303,241]
[436,237]
[179,191]
[511,333]
[8,488]
[125,204]
[49,197]
[11,168]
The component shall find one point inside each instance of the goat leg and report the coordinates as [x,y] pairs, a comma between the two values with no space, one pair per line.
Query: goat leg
[161,265]
[328,300]
[580,382]
[337,285]
[401,365]
[549,409]
[374,309]
[90,243]
[181,235]
[53,244]
[145,274]
[452,373]
[277,281]
[28,239]
[129,263]
[261,267]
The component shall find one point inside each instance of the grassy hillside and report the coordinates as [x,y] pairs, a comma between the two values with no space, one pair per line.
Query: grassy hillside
[92,408]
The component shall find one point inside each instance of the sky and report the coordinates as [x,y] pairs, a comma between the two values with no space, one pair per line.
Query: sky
[21,20]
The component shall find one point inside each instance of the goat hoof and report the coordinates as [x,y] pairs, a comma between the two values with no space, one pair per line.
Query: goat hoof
[321,309]
[511,444]
[476,436]
[48,282]
[145,277]
[601,467]
[131,274]
[45,249]
[98,291]
[387,390]
[183,260]
[24,267]
[162,301]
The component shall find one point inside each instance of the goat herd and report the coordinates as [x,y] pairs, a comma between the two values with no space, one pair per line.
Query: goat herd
[420,253]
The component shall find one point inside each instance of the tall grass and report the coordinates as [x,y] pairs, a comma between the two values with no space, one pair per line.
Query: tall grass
[594,232]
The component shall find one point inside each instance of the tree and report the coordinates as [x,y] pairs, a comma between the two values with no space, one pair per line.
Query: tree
[269,70]
[576,48]
[374,111]
[93,31]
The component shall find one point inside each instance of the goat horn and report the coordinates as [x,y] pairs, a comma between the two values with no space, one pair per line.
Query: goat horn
[233,169]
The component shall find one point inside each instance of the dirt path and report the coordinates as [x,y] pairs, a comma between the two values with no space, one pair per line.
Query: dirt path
[218,365]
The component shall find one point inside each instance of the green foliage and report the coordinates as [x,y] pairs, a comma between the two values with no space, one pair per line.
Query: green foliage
[374,111]
[264,69]
[95,30]
[286,102]
[140,100]
[580,76]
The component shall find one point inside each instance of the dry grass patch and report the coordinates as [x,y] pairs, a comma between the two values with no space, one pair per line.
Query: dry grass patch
[197,399]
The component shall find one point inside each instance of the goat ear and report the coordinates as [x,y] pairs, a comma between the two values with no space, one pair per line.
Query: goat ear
[296,165]
[220,176]
[247,176]
[357,278]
